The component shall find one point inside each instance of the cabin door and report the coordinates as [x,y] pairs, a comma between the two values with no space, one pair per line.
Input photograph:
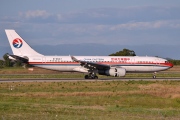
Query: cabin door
[43,60]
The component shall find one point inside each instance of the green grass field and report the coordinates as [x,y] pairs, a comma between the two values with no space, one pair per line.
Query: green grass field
[116,100]
[83,100]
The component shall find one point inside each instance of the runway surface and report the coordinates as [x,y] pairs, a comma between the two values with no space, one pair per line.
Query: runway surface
[79,79]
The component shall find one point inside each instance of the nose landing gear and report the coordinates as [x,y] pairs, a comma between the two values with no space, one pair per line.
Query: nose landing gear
[154,75]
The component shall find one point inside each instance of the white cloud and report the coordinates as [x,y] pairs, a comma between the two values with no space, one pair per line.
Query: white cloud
[121,17]
[60,17]
[120,26]
[146,25]
[35,14]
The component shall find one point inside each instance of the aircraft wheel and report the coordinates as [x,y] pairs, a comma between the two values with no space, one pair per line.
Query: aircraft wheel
[86,77]
[154,77]
[95,77]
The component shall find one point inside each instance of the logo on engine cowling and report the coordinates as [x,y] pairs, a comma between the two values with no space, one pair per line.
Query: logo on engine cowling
[17,43]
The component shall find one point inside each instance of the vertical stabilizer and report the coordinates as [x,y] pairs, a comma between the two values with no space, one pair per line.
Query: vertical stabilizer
[19,46]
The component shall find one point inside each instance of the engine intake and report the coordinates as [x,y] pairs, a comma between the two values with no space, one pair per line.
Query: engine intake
[116,72]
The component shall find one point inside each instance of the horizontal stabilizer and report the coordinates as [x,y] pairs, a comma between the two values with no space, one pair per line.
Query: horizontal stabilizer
[15,57]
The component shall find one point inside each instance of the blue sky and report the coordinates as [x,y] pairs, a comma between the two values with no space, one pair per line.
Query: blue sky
[114,22]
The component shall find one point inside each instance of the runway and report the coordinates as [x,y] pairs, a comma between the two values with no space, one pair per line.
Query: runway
[79,79]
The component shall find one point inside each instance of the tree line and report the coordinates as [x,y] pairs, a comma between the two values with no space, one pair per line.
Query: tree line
[6,62]
[175,62]
[125,52]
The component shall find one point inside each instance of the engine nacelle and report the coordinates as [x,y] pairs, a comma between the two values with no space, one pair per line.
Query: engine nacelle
[116,72]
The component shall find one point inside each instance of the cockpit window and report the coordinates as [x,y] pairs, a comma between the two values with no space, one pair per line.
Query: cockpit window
[166,61]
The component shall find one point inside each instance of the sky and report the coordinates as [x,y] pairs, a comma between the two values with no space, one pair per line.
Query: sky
[102,22]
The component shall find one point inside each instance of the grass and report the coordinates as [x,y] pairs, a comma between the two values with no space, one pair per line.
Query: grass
[83,100]
[90,100]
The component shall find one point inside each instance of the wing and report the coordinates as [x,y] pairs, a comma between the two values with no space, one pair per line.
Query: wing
[90,65]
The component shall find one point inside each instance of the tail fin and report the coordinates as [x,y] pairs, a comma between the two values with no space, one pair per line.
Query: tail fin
[19,46]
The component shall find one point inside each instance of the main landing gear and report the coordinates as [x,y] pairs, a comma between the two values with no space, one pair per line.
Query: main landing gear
[91,76]
[154,75]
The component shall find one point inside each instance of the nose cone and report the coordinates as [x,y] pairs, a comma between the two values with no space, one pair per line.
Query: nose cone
[171,65]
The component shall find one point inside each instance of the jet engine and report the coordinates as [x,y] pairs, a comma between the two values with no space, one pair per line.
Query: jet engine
[116,72]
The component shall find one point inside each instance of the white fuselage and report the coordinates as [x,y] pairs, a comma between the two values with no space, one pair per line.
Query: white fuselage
[131,64]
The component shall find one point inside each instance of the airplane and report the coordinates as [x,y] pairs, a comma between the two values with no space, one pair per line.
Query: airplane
[116,66]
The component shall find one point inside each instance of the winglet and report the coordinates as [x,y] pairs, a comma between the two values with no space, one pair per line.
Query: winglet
[74,59]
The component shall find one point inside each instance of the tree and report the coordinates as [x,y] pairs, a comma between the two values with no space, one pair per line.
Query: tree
[17,63]
[1,63]
[124,52]
[7,61]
